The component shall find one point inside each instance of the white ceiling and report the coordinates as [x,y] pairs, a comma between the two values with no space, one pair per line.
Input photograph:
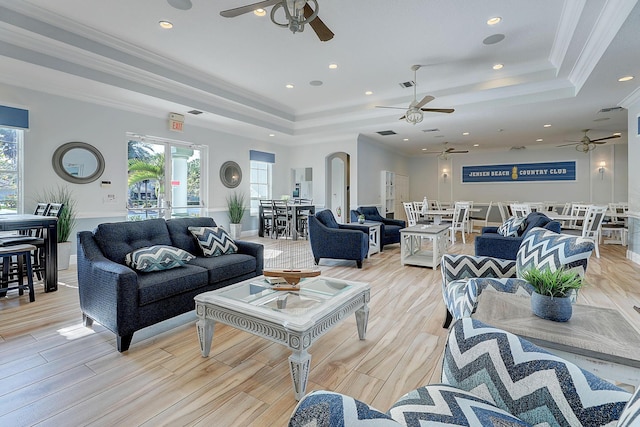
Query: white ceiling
[561,62]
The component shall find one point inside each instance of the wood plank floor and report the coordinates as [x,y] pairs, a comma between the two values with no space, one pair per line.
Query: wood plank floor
[53,371]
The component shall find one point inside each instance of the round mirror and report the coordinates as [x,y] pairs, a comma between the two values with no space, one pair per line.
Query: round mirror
[78,162]
[230,174]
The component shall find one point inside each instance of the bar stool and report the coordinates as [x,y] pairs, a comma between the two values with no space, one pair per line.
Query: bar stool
[22,252]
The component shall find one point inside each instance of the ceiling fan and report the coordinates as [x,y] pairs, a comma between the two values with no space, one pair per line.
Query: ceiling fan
[297,14]
[444,154]
[587,144]
[414,113]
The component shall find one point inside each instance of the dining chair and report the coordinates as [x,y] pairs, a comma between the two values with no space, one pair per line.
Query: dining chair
[536,206]
[484,221]
[591,225]
[460,220]
[549,206]
[22,253]
[615,229]
[410,211]
[578,210]
[503,212]
[520,210]
[281,219]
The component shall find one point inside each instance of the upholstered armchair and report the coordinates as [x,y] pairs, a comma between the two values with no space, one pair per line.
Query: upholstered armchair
[464,277]
[491,243]
[337,241]
[390,228]
[489,377]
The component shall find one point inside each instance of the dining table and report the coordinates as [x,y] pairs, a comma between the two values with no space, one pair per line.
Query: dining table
[296,210]
[48,224]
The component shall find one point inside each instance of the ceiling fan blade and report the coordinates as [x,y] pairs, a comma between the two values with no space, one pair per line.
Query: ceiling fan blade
[403,117]
[231,13]
[566,145]
[322,31]
[604,139]
[395,108]
[439,110]
[424,101]
[449,150]
[459,151]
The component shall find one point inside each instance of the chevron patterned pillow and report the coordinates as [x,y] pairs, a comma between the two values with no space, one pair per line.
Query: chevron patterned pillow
[631,414]
[157,258]
[542,249]
[512,227]
[525,380]
[214,241]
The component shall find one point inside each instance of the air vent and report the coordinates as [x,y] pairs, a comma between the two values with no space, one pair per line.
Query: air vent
[386,132]
[410,83]
[520,147]
[610,109]
[194,112]
[431,130]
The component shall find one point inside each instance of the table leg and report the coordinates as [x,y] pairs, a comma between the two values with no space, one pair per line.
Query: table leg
[205,335]
[299,363]
[362,318]
[51,258]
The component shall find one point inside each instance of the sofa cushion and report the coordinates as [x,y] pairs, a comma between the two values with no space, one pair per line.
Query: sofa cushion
[441,405]
[542,249]
[514,226]
[157,258]
[117,239]
[214,241]
[159,285]
[226,267]
[525,380]
[325,408]
[181,236]
[631,414]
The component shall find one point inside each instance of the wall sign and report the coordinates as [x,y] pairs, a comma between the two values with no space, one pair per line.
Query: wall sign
[520,172]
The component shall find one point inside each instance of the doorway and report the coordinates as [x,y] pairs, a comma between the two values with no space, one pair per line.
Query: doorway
[337,193]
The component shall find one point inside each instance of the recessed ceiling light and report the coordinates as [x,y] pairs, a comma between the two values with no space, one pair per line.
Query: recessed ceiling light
[494,20]
[316,83]
[547,125]
[424,149]
[625,78]
[272,134]
[539,140]
[333,66]
[476,145]
[498,66]
[289,86]
[259,12]
[618,133]
[465,133]
[368,92]
[165,25]
[405,139]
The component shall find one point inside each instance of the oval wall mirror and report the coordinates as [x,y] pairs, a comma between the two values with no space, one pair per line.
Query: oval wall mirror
[78,162]
[230,174]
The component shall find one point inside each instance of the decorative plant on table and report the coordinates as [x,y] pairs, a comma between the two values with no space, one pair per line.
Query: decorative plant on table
[361,219]
[551,298]
[235,206]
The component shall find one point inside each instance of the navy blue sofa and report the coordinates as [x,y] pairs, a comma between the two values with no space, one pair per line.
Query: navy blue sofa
[492,244]
[337,241]
[124,300]
[390,228]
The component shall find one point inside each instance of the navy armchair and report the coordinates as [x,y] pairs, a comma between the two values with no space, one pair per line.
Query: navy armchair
[494,245]
[390,228]
[337,241]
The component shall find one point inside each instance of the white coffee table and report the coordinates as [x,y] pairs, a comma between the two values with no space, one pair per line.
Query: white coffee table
[294,319]
[411,245]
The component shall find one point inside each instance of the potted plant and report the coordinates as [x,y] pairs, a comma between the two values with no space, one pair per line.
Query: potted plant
[551,298]
[66,220]
[361,219]
[235,205]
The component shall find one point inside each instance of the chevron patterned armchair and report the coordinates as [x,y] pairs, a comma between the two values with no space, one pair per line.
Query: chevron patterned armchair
[489,378]
[464,277]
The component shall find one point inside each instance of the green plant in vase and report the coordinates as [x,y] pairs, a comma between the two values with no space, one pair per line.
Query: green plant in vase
[235,207]
[66,220]
[553,290]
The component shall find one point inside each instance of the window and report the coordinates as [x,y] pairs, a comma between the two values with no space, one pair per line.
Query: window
[10,170]
[260,182]
[165,189]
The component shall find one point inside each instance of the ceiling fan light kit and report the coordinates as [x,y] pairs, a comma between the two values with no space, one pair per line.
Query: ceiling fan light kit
[587,144]
[413,116]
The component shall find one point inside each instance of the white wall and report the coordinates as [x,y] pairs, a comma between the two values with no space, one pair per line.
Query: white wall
[633,251]
[55,120]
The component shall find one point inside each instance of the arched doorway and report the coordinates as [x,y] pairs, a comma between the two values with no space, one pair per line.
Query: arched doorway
[337,167]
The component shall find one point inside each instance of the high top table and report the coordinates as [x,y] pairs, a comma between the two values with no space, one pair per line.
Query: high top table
[597,339]
[48,224]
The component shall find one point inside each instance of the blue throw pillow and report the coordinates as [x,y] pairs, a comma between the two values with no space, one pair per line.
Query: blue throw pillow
[157,258]
[512,227]
[214,241]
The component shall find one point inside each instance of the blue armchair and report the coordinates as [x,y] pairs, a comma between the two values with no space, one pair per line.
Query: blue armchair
[390,228]
[494,245]
[337,241]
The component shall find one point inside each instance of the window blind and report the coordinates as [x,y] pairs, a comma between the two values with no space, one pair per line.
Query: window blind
[14,117]
[261,156]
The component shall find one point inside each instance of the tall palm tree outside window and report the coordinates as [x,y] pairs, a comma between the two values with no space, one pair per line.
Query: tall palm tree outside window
[158,188]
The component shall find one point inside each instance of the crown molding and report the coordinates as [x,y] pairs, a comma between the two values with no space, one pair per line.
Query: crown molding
[571,12]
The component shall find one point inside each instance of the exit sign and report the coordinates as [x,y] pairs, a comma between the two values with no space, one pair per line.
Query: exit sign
[176,122]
